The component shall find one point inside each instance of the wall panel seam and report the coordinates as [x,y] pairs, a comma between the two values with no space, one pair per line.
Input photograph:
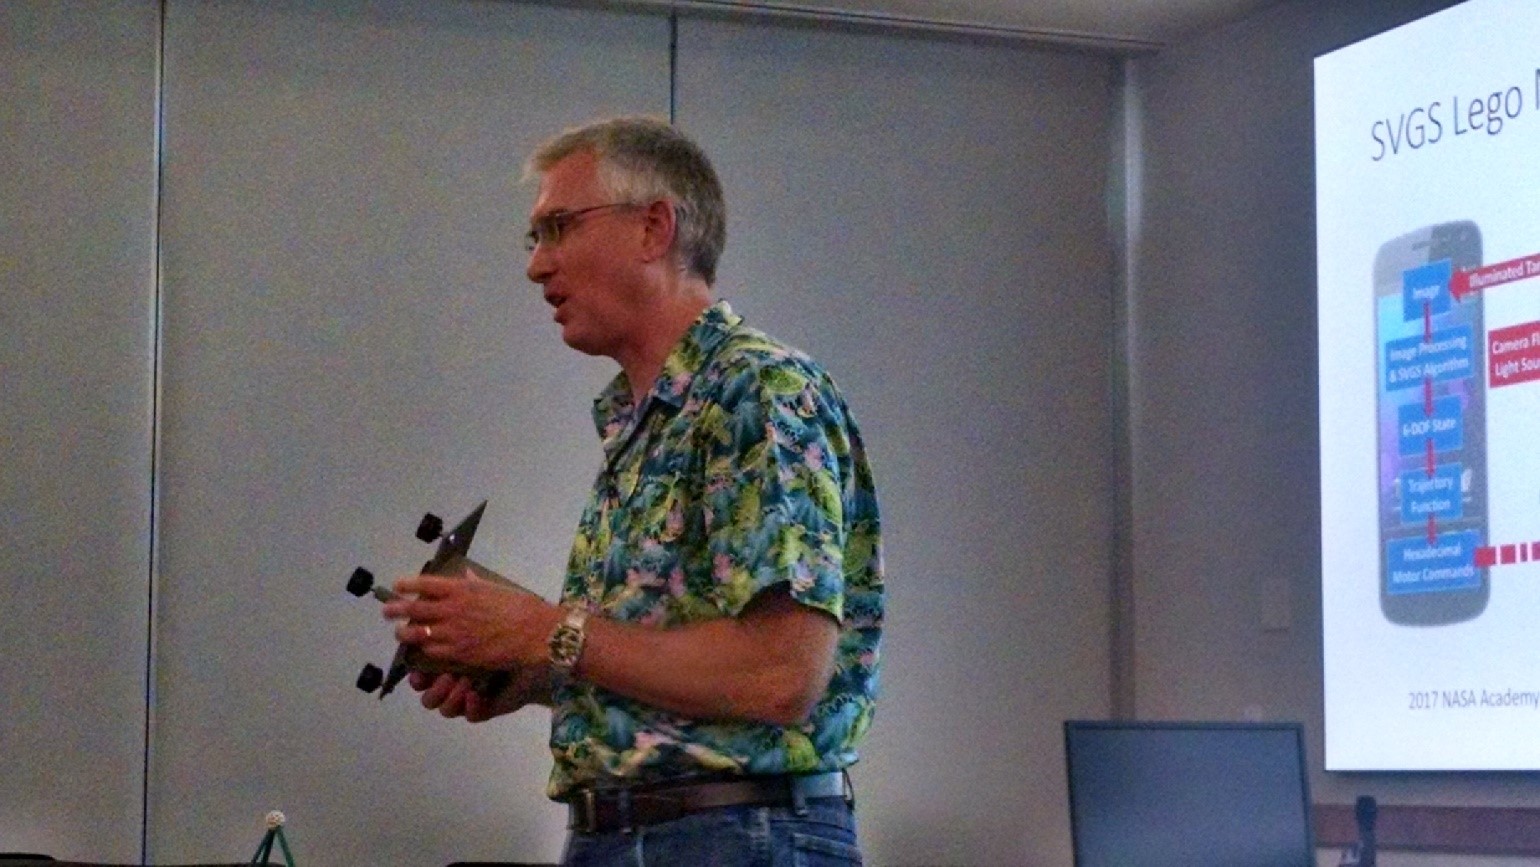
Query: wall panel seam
[157,329]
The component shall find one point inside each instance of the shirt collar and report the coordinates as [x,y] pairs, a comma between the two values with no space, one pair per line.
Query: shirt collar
[613,411]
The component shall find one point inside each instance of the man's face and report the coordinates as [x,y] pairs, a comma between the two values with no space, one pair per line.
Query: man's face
[592,274]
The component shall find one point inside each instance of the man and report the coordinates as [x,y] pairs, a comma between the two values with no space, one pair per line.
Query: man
[713,663]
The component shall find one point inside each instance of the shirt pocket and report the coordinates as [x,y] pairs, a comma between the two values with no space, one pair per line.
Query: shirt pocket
[647,557]
[656,513]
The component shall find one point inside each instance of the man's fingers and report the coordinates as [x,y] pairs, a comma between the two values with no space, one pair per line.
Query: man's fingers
[411,609]
[438,691]
[408,632]
[425,598]
[451,695]
[454,705]
[426,586]
[476,707]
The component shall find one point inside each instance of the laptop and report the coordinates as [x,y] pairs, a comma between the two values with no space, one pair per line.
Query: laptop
[1188,794]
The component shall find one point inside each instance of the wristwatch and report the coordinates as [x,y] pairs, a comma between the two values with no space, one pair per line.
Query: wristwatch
[566,641]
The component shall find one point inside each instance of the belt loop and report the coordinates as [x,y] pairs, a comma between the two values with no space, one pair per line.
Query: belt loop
[590,813]
[798,797]
[849,788]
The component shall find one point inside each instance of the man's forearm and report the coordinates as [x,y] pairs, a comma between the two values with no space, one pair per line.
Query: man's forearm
[771,664]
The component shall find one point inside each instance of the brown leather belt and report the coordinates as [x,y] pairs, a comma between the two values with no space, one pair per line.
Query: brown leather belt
[598,811]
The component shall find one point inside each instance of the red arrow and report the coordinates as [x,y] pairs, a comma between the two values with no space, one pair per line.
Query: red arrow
[1459,285]
[1430,457]
[1522,268]
[1427,397]
[1432,531]
[1427,322]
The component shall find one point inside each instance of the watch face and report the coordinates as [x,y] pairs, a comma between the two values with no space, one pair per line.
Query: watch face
[565,647]
[567,641]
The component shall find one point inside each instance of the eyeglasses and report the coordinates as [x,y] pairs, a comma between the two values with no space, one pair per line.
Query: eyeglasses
[550,229]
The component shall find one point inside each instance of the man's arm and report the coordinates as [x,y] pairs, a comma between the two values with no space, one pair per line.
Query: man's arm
[771,663]
[772,498]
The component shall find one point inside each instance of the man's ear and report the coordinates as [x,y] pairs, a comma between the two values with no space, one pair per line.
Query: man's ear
[660,224]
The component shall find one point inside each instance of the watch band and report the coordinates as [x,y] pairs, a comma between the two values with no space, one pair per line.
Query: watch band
[566,641]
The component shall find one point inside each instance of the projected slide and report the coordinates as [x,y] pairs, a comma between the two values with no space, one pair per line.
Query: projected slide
[1428,250]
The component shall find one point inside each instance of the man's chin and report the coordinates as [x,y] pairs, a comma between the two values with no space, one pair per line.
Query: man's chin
[576,340]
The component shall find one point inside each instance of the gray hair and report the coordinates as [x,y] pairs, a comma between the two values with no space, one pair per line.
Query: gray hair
[644,159]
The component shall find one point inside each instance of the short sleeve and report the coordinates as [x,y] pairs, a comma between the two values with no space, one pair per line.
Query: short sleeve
[773,511]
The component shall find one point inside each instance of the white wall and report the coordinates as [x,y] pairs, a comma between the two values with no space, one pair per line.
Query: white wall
[348,340]
[77,292]
[927,217]
[344,339]
[1222,366]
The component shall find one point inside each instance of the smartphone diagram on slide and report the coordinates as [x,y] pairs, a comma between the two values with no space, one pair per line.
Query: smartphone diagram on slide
[1432,427]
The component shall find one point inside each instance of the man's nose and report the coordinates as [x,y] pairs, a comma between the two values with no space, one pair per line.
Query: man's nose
[540,267]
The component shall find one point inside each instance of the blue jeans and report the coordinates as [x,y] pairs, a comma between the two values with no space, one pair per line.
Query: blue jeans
[729,837]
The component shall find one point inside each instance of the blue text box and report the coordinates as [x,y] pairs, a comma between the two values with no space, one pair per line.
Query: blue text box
[1426,284]
[1445,427]
[1449,354]
[1414,566]
[1439,496]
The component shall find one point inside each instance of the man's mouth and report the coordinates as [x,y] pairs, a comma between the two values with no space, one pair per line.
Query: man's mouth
[556,302]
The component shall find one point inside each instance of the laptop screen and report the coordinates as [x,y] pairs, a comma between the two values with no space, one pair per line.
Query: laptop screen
[1194,794]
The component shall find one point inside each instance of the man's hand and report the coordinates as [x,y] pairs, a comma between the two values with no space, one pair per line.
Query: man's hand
[473,622]
[455,696]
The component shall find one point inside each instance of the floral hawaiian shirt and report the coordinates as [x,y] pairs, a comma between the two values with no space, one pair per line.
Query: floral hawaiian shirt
[741,470]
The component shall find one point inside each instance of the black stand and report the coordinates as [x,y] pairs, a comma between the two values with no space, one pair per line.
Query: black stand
[1362,853]
[274,832]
